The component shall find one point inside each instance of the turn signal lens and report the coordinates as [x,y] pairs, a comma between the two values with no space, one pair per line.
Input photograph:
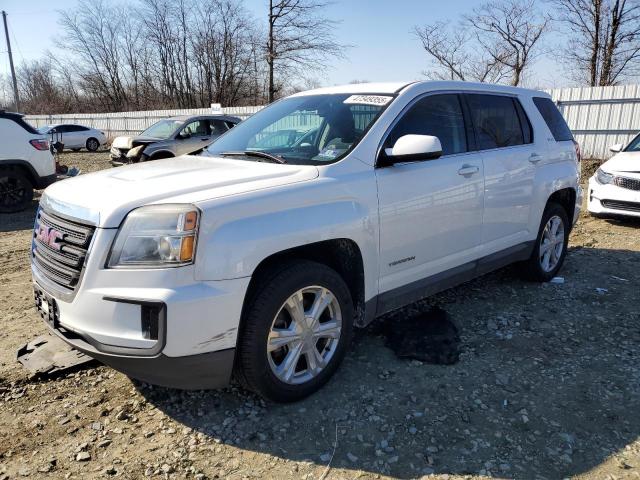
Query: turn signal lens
[186,249]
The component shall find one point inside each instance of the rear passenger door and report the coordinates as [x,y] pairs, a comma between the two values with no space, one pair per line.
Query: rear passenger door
[430,211]
[504,135]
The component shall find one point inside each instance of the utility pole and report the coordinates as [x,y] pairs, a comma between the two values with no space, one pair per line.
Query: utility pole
[13,70]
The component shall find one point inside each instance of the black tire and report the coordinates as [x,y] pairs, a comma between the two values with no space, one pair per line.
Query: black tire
[92,144]
[533,269]
[252,367]
[16,191]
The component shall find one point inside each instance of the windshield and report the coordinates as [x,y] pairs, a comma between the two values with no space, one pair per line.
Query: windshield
[162,129]
[634,146]
[311,130]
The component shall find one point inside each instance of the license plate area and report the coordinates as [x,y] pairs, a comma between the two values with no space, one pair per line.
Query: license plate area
[46,306]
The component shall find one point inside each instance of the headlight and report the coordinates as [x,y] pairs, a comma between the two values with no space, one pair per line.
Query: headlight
[134,152]
[156,236]
[603,178]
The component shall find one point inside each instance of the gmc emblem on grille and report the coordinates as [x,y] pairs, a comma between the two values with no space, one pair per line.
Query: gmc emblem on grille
[49,236]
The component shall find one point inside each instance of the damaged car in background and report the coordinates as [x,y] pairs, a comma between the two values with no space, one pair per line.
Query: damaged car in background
[171,137]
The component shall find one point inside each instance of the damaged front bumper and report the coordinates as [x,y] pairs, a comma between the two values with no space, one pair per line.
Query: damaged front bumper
[160,325]
[119,157]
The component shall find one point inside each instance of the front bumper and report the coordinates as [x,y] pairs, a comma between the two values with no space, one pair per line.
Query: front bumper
[611,200]
[158,325]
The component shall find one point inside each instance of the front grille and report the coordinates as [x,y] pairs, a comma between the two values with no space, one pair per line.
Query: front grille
[59,248]
[620,205]
[628,183]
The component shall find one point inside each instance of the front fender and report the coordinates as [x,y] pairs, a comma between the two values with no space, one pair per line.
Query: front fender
[235,239]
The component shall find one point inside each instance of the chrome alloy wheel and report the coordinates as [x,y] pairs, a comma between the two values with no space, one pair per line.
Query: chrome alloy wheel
[304,335]
[551,243]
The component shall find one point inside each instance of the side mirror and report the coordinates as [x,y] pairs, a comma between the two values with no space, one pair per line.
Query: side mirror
[412,148]
[616,148]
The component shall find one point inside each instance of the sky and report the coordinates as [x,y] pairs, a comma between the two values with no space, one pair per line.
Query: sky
[383,48]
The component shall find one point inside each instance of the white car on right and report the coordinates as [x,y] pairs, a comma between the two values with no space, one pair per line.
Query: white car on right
[615,187]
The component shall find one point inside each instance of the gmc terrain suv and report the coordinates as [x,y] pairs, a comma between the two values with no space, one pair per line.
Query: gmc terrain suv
[259,260]
[25,162]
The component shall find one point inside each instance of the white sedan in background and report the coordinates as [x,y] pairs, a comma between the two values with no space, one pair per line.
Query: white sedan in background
[615,187]
[75,137]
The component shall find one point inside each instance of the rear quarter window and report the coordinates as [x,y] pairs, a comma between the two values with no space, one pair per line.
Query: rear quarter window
[553,118]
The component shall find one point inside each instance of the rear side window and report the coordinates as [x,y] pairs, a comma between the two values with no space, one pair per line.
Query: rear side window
[437,115]
[496,121]
[553,118]
[218,127]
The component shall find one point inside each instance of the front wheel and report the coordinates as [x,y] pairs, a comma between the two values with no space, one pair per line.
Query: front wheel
[296,331]
[92,144]
[551,245]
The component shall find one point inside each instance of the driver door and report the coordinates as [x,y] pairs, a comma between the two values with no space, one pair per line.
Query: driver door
[194,136]
[430,211]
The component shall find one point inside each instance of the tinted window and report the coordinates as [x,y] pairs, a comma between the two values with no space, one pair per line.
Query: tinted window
[437,115]
[553,119]
[196,129]
[218,127]
[496,121]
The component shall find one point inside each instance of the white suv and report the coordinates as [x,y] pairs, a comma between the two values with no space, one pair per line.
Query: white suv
[259,260]
[25,162]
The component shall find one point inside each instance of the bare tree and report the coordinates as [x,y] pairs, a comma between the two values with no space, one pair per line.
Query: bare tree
[510,31]
[298,37]
[604,39]
[454,56]
[494,44]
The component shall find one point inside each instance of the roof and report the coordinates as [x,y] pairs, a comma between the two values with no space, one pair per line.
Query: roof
[396,87]
[388,87]
[203,115]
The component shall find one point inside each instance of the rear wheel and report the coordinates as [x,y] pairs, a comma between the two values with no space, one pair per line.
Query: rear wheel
[296,332]
[551,245]
[16,191]
[92,144]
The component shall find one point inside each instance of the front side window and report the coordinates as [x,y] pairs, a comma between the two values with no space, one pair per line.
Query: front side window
[436,115]
[305,130]
[495,120]
[198,128]
[218,127]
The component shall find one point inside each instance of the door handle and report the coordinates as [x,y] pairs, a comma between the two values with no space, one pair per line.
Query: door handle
[468,170]
[204,139]
[534,158]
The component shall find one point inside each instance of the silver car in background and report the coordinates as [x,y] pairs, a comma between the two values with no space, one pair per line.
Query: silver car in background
[171,137]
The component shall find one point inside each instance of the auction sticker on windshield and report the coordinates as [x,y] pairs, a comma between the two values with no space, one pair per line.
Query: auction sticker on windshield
[379,100]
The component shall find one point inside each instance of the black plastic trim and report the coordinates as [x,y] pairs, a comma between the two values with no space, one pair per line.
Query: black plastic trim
[38,181]
[399,297]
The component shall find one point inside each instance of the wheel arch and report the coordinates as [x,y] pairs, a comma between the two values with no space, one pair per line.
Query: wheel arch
[566,198]
[24,167]
[341,254]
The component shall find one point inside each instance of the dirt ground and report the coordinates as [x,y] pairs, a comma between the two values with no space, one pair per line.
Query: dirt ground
[547,386]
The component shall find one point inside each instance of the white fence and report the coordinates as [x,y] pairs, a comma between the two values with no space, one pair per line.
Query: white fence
[123,123]
[599,117]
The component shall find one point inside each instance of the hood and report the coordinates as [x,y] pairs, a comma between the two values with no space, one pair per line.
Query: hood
[623,162]
[125,142]
[105,197]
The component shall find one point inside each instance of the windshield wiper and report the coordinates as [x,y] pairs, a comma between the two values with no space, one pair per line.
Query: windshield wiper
[255,153]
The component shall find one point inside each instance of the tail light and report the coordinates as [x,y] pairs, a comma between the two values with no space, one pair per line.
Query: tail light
[578,152]
[40,144]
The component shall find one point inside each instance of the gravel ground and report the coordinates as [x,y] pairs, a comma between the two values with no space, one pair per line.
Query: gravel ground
[547,386]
